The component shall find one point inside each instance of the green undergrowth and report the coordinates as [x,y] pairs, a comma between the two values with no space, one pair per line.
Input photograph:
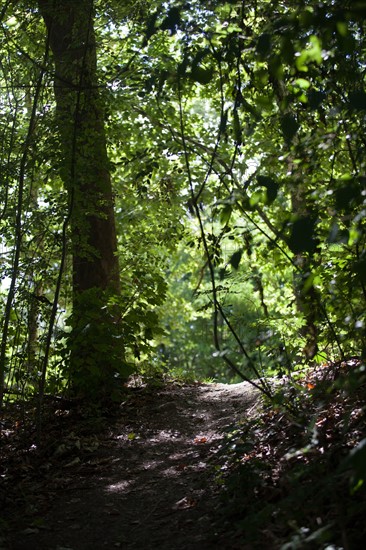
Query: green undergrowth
[296,480]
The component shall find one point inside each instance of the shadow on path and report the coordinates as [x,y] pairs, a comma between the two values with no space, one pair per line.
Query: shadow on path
[149,484]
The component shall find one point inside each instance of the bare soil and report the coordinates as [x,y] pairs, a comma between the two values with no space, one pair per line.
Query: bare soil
[147,480]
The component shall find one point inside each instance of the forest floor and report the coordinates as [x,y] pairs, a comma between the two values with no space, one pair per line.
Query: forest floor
[145,482]
[180,467]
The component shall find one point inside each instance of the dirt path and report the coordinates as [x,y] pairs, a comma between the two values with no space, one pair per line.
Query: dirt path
[146,484]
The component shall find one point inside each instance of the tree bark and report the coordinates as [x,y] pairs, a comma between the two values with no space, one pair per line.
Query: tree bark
[84,170]
[81,125]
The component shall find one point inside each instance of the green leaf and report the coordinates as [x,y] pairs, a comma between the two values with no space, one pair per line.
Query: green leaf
[315,51]
[302,83]
[235,259]
[256,197]
[237,128]
[226,214]
[312,53]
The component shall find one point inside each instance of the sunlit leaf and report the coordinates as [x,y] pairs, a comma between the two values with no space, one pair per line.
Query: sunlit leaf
[303,83]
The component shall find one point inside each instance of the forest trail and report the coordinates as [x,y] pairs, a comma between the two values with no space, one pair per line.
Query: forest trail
[148,482]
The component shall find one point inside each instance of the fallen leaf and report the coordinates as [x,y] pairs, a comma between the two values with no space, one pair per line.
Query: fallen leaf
[200,440]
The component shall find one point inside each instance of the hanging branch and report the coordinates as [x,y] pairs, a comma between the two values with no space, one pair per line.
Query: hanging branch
[197,212]
[262,386]
[194,145]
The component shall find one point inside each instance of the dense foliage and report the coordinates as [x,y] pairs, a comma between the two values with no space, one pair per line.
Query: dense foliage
[236,150]
[183,197]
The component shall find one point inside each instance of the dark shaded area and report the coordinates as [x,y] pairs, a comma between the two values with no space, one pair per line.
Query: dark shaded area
[144,481]
[192,467]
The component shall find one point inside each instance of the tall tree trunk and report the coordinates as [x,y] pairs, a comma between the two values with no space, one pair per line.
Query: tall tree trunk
[85,172]
[81,124]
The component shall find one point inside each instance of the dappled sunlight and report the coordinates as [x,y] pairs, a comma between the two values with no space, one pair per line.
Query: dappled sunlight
[167,442]
[182,206]
[119,487]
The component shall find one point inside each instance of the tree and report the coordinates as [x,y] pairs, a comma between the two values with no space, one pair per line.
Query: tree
[87,179]
[240,133]
[81,126]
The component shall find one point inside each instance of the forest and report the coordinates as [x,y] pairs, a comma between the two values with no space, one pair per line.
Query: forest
[183,236]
